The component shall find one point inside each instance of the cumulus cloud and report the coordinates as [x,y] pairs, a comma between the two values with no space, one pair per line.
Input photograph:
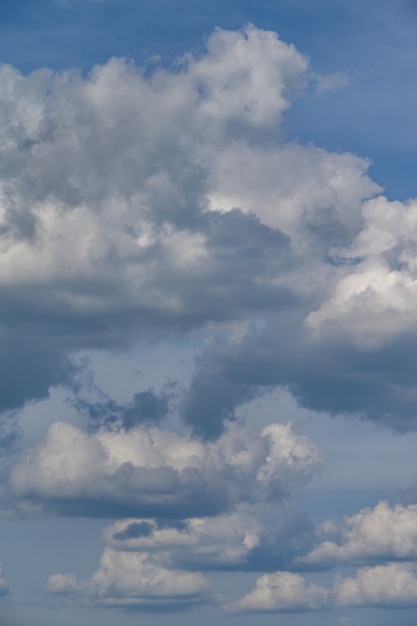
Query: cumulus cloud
[134,205]
[220,542]
[382,284]
[132,581]
[150,472]
[282,591]
[104,229]
[254,537]
[382,533]
[391,586]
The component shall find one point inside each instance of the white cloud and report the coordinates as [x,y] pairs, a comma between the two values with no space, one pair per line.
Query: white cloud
[256,69]
[100,170]
[148,471]
[315,197]
[132,581]
[374,300]
[392,586]
[282,591]
[382,533]
[326,83]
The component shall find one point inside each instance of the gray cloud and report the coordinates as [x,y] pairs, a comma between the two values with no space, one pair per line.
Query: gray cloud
[331,375]
[4,586]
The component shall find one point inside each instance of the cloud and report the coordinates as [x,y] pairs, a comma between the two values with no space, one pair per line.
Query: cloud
[146,407]
[4,585]
[390,586]
[104,230]
[137,206]
[281,591]
[330,374]
[131,581]
[381,284]
[254,537]
[220,542]
[150,472]
[117,228]
[331,82]
[384,533]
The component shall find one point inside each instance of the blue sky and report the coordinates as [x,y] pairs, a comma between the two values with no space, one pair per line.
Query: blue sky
[208,327]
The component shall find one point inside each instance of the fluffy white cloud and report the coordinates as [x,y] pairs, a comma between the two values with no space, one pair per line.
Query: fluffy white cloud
[148,471]
[393,585]
[382,533]
[132,581]
[313,196]
[375,300]
[102,172]
[282,591]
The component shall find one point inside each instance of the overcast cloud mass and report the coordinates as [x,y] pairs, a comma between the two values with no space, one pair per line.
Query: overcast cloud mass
[173,254]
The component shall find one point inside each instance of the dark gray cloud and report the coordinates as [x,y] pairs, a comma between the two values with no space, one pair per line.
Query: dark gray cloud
[333,375]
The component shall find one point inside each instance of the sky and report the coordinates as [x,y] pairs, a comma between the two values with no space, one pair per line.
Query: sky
[208,326]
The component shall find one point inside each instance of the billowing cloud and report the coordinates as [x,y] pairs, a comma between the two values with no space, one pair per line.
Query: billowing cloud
[391,586]
[282,591]
[151,472]
[383,533]
[103,198]
[132,581]
[381,286]
[135,204]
